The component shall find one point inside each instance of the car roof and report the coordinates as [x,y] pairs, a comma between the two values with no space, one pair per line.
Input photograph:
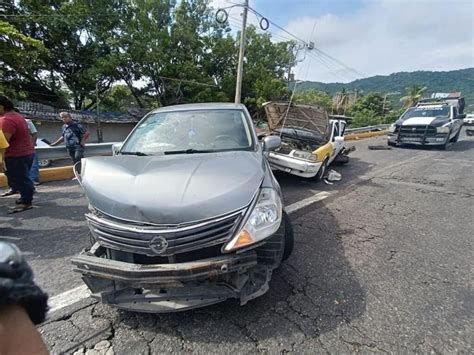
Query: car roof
[201,106]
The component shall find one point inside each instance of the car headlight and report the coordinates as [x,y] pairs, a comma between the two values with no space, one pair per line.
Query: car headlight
[392,128]
[442,129]
[264,221]
[303,155]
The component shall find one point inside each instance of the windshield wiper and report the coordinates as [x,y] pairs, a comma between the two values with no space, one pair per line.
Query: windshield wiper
[188,151]
[140,154]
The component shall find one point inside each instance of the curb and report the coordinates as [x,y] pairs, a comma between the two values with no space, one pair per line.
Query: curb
[356,136]
[47,174]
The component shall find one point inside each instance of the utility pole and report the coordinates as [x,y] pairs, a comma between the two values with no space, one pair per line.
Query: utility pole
[99,129]
[238,86]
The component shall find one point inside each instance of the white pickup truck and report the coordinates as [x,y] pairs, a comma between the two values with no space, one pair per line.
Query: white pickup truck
[310,140]
[427,124]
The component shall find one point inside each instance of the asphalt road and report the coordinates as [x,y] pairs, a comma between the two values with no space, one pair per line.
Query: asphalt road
[384,264]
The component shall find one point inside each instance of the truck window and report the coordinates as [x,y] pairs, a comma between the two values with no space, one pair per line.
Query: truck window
[455,112]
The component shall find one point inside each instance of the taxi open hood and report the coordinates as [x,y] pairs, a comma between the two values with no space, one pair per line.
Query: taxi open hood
[308,117]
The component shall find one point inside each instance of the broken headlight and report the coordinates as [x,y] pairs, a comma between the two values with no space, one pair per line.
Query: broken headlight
[442,130]
[264,220]
[304,155]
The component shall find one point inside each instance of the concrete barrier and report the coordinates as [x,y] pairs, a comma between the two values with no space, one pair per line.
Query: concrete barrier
[48,174]
[356,136]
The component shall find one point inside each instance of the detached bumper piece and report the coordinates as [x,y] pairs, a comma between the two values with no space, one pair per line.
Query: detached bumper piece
[160,288]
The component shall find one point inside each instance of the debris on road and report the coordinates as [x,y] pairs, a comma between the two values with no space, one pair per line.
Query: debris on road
[379,147]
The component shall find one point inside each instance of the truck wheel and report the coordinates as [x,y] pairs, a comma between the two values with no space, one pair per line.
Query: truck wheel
[322,170]
[446,144]
[289,237]
[456,137]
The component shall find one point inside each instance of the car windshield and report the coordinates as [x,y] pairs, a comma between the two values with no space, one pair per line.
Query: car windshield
[427,112]
[186,132]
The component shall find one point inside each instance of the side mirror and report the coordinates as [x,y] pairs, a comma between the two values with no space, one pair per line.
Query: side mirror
[271,143]
[339,139]
[462,116]
[116,148]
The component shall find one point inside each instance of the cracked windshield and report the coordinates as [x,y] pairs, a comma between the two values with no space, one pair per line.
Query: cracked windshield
[188,131]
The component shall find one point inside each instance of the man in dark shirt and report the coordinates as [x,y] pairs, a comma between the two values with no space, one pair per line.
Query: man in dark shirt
[19,155]
[74,136]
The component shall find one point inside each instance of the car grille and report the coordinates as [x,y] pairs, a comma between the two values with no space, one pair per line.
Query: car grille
[420,131]
[163,241]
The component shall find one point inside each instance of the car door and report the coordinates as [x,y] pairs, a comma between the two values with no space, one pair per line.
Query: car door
[336,141]
[457,122]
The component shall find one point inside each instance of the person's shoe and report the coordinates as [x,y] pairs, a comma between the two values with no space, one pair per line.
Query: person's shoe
[36,183]
[20,208]
[9,193]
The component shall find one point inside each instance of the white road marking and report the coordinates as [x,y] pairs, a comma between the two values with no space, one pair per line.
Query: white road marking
[68,298]
[307,201]
[77,294]
[9,238]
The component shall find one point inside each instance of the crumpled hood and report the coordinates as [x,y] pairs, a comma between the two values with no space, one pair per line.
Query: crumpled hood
[313,118]
[172,189]
[423,121]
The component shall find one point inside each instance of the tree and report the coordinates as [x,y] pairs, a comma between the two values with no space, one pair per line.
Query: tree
[373,101]
[314,97]
[414,93]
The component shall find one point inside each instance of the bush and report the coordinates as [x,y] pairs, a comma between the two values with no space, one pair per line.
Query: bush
[365,117]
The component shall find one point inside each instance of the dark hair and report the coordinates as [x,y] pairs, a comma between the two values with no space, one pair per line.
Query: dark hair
[6,103]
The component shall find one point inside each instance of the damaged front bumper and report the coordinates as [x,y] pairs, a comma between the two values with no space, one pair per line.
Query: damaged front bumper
[294,166]
[439,139]
[160,288]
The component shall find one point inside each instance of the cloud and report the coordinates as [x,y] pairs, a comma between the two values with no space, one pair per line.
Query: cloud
[385,36]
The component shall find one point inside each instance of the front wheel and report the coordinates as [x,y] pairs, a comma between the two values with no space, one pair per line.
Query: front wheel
[321,171]
[289,237]
[446,144]
[456,137]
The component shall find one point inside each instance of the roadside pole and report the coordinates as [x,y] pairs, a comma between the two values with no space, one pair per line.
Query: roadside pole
[238,86]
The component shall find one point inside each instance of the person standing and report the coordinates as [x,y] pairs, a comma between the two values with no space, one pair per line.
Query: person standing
[19,155]
[34,171]
[74,135]
[3,147]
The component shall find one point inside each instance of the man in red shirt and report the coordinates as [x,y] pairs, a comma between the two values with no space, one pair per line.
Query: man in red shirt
[19,155]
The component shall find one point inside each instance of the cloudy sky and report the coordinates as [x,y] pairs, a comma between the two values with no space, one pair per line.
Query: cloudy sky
[373,37]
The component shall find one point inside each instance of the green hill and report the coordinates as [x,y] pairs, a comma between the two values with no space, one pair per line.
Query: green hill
[442,81]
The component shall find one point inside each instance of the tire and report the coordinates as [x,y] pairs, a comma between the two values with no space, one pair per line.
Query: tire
[456,137]
[321,170]
[44,163]
[289,237]
[341,159]
[446,144]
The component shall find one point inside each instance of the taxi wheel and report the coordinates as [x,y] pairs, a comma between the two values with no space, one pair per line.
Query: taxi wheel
[321,171]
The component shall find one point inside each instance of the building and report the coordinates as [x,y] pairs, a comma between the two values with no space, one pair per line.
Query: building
[115,126]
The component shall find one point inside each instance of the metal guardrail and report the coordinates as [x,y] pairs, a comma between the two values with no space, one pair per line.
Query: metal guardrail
[60,152]
[95,149]
[379,127]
